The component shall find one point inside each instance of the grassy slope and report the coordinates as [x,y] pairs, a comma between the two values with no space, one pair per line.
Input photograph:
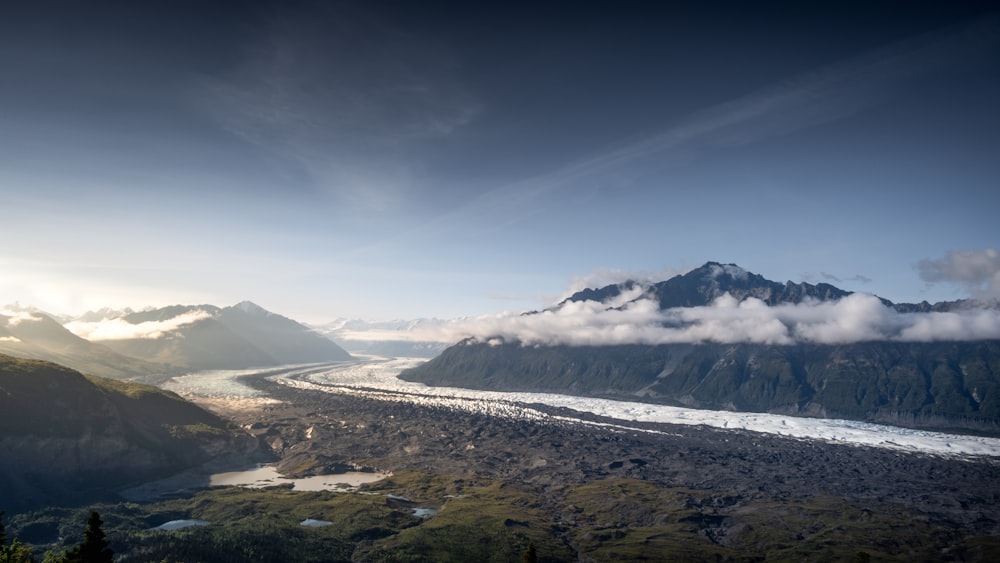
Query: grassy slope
[67,434]
[46,398]
[493,520]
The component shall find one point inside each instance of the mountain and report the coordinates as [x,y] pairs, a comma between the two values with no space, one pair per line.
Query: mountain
[701,286]
[200,337]
[67,437]
[947,384]
[36,335]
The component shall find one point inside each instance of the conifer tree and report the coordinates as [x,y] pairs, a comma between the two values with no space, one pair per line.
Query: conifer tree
[94,548]
[529,555]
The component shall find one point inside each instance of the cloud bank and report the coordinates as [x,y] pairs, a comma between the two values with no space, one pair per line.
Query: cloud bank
[858,317]
[120,329]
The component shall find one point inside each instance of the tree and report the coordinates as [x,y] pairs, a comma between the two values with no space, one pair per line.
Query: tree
[94,548]
[16,552]
[529,555]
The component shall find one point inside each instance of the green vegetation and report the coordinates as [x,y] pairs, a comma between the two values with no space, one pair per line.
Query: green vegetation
[482,519]
[94,548]
[73,437]
[15,552]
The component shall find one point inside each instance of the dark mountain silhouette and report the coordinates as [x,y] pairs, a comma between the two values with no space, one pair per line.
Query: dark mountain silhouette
[702,286]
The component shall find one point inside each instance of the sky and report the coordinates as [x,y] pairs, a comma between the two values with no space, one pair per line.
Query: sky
[428,159]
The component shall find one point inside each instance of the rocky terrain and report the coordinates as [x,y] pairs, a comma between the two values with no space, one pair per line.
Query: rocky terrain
[471,486]
[315,431]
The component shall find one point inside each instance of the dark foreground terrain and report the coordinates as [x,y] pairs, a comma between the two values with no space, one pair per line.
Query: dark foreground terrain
[575,492]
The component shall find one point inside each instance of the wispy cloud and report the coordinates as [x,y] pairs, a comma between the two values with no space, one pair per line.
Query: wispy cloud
[344,118]
[800,102]
[120,329]
[977,270]
[831,277]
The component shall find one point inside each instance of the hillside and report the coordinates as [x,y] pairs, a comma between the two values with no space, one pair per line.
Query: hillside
[202,337]
[935,384]
[68,437]
[38,336]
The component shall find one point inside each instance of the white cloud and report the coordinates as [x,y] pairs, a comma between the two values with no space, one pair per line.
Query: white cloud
[603,277]
[120,329]
[977,270]
[9,339]
[15,318]
[855,318]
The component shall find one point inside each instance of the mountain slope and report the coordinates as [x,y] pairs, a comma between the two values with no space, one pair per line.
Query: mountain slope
[201,337]
[38,336]
[929,384]
[69,437]
[283,340]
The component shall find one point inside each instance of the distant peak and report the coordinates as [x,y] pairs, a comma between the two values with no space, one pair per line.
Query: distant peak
[732,270]
[713,270]
[251,308]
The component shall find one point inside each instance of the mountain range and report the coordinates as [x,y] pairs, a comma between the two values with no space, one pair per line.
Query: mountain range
[37,335]
[949,384]
[155,344]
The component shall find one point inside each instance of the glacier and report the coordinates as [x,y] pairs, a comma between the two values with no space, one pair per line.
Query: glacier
[377,378]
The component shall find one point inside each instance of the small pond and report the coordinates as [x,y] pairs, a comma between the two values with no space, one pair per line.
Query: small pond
[313,523]
[268,476]
[179,524]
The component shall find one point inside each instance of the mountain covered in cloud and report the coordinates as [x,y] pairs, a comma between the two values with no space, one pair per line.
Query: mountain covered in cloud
[198,337]
[722,337]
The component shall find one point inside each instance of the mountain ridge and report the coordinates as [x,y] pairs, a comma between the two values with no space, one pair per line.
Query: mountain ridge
[153,344]
[235,337]
[690,290]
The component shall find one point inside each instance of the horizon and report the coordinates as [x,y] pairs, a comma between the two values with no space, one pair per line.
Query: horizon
[392,161]
[732,313]
[600,280]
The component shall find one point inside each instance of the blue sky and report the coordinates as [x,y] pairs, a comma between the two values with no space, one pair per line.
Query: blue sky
[387,160]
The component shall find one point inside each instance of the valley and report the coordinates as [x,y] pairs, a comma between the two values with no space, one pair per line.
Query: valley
[782,444]
[581,484]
